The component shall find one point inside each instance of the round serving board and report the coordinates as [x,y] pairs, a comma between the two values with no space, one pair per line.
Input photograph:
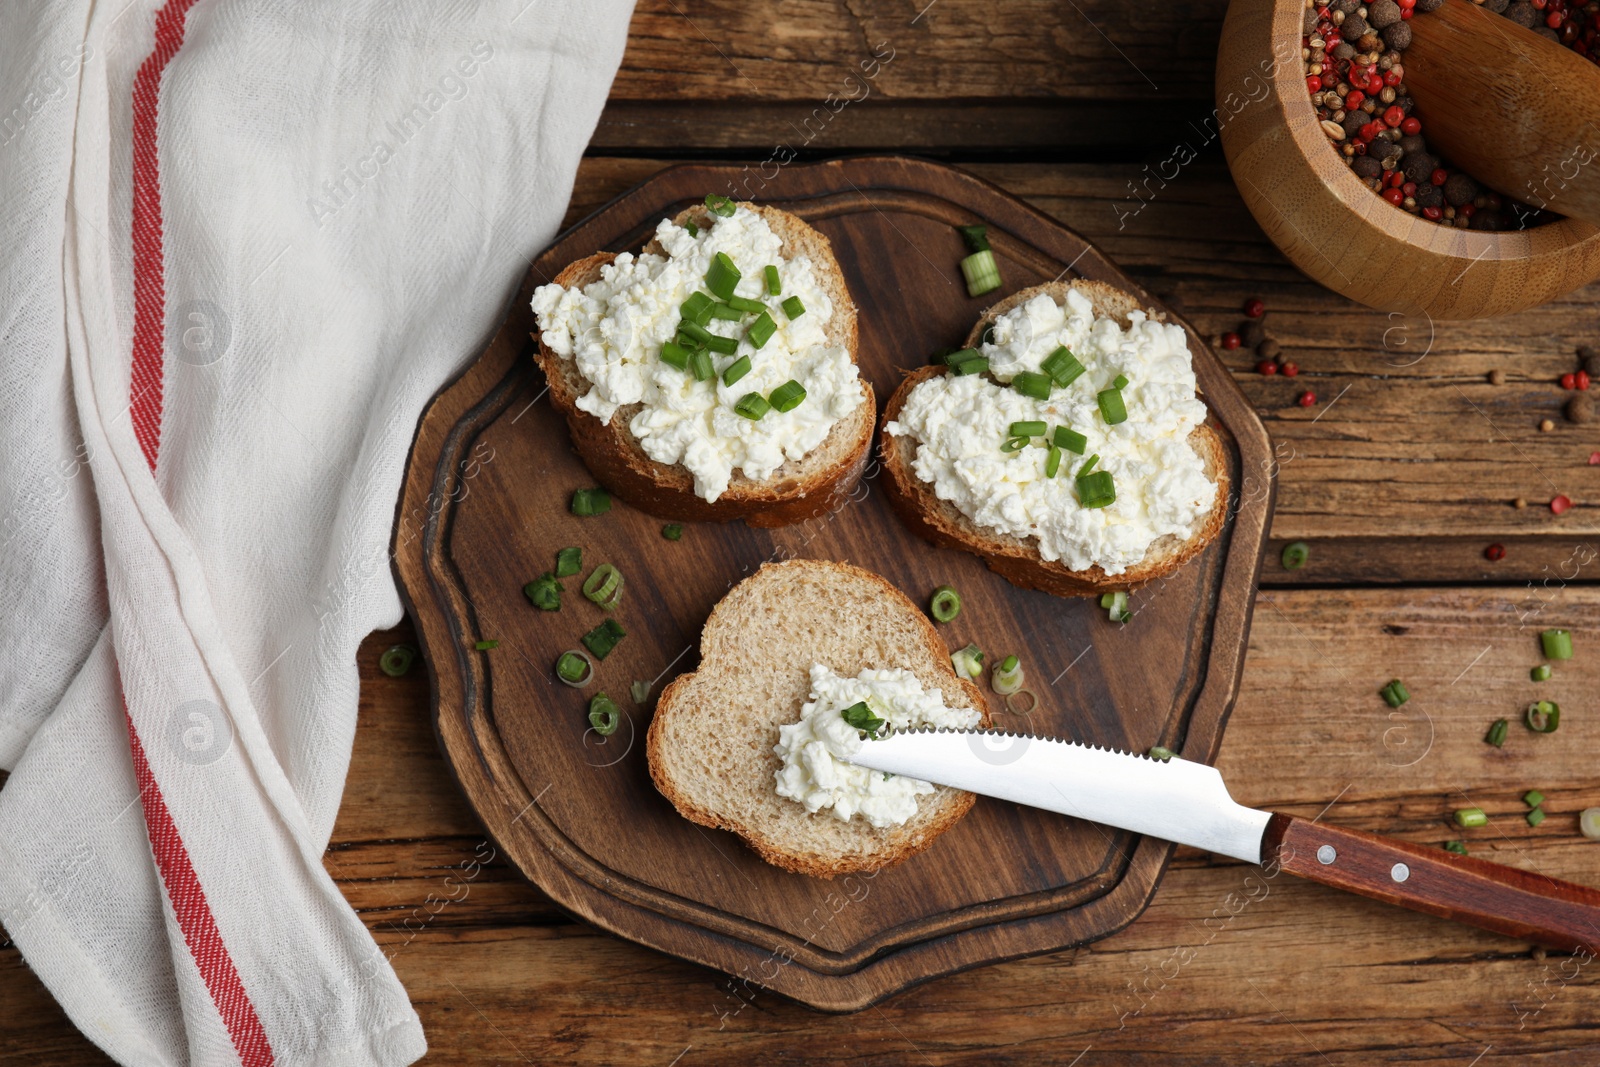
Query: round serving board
[484,509]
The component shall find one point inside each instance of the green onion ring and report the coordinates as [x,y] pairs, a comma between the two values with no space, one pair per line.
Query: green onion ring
[576,664]
[946,604]
[397,660]
[604,716]
[604,586]
[1033,702]
[1543,716]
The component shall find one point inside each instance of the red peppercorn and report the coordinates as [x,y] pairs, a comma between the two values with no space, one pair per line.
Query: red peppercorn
[1393,116]
[1267,367]
[1394,196]
[1230,340]
[1439,176]
[1395,179]
[1392,76]
[1368,132]
[1407,12]
[1307,398]
[1254,308]
[1399,72]
[1290,370]
[1581,380]
[1314,83]
[1553,20]
[1374,85]
[1560,504]
[1569,381]
[1412,124]
[1433,213]
[1468,210]
[1407,3]
[1495,553]
[1354,99]
[1409,188]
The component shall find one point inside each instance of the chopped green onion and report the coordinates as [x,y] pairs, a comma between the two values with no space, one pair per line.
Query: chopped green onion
[1097,490]
[1543,716]
[574,668]
[1062,366]
[794,308]
[484,646]
[787,396]
[694,231]
[1533,798]
[726,312]
[861,717]
[1007,677]
[672,531]
[1557,644]
[604,586]
[544,592]
[975,365]
[720,205]
[603,638]
[1026,429]
[736,370]
[770,273]
[1112,409]
[675,355]
[1012,703]
[1120,382]
[1535,817]
[1052,462]
[976,237]
[1589,823]
[639,691]
[946,603]
[397,660]
[1467,818]
[722,276]
[1014,444]
[752,406]
[744,303]
[981,272]
[594,501]
[1070,439]
[1455,846]
[1030,384]
[697,334]
[761,330]
[696,309]
[1116,605]
[1294,555]
[1395,693]
[725,346]
[569,561]
[1497,733]
[604,715]
[968,663]
[701,367]
[1160,752]
[1541,673]
[956,356]
[1088,465]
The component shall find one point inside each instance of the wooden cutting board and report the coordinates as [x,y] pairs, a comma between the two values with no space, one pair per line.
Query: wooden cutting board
[484,509]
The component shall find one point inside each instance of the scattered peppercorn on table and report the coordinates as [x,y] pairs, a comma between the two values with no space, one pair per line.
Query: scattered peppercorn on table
[1427,531]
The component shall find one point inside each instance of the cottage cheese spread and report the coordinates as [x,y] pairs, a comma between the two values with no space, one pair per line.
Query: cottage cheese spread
[813,771]
[960,421]
[614,329]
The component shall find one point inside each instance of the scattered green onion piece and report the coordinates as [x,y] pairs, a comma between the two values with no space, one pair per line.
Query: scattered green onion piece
[744,303]
[720,205]
[722,276]
[675,355]
[485,646]
[1052,462]
[761,330]
[639,691]
[726,312]
[1097,490]
[1070,439]
[603,638]
[1557,644]
[1589,823]
[1026,429]
[981,272]
[946,604]
[604,715]
[968,663]
[1543,716]
[1497,733]
[1467,818]
[725,346]
[594,501]
[694,231]
[1112,409]
[701,367]
[1012,702]
[694,331]
[1014,444]
[736,370]
[1533,798]
[544,592]
[1541,673]
[1395,693]
[861,717]
[1116,605]
[604,586]
[1088,465]
[1007,677]
[1294,555]
[672,531]
[976,237]
[770,273]
[975,365]
[787,396]
[696,309]
[793,308]
[1535,817]
[752,406]
[1030,384]
[956,356]
[1457,847]
[1120,382]
[569,561]
[574,668]
[397,660]
[1160,752]
[1062,366]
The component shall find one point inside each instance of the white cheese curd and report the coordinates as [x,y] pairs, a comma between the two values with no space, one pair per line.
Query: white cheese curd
[614,328]
[960,421]
[814,772]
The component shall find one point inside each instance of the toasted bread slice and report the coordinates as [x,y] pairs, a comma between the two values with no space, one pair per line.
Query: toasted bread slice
[813,485]
[710,742]
[1017,559]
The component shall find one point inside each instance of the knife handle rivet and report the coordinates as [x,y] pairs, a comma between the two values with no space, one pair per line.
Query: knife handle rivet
[1399,872]
[1327,854]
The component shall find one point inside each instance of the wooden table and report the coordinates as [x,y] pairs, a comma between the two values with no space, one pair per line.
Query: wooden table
[1399,476]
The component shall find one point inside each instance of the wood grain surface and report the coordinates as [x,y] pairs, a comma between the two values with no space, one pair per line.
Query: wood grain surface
[1404,471]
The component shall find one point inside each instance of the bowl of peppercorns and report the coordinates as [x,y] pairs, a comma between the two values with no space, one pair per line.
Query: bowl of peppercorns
[1330,154]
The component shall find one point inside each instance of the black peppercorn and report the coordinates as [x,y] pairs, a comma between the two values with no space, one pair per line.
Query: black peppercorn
[1268,349]
[1412,143]
[1547,32]
[1460,189]
[1580,409]
[1349,7]
[1354,119]
[1429,195]
[1489,221]
[1383,13]
[1424,6]
[1419,166]
[1366,167]
[1343,50]
[1398,36]
[1591,361]
[1354,27]
[1523,14]
[1496,6]
[1252,332]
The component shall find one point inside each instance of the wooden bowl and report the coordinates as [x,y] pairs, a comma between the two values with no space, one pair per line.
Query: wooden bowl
[1341,233]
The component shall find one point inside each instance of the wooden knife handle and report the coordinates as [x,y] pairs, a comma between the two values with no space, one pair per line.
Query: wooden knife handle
[1491,896]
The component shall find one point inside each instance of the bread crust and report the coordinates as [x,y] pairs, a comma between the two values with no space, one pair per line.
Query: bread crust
[1017,560]
[801,489]
[936,812]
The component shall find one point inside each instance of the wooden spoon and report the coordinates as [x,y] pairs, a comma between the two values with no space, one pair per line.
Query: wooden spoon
[1512,108]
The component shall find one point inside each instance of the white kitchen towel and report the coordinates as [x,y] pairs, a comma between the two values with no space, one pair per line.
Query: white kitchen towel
[243,242]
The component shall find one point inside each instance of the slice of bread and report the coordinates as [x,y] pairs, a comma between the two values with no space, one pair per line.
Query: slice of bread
[710,742]
[1017,559]
[801,489]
